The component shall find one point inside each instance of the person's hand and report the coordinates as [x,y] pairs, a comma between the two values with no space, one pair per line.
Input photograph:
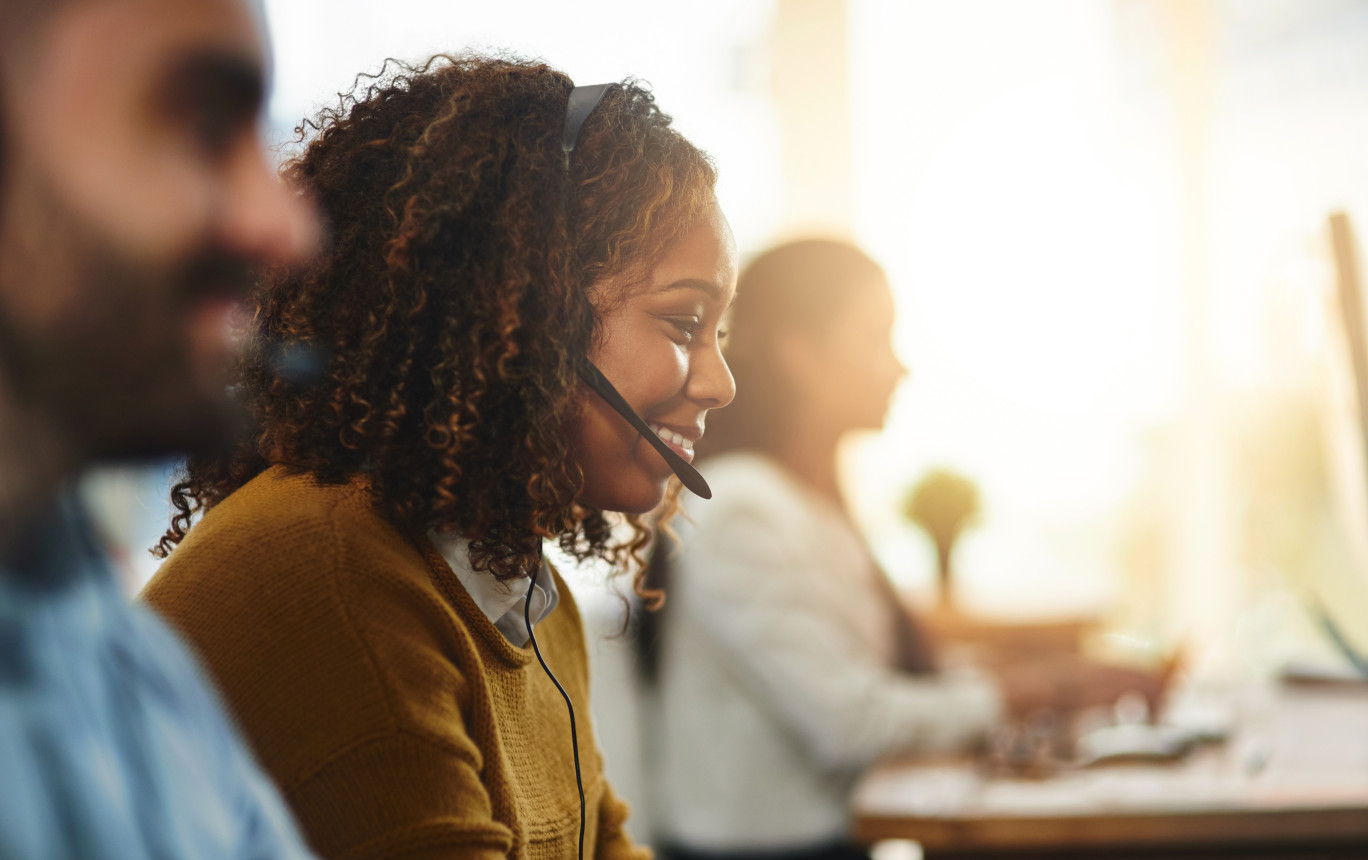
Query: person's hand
[1028,688]
[1066,682]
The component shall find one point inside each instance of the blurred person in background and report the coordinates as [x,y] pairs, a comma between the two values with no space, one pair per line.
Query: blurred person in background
[784,664]
[367,579]
[134,199]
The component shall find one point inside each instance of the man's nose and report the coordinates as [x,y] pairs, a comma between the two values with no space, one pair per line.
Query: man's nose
[264,219]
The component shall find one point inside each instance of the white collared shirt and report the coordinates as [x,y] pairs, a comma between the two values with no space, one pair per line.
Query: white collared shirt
[501,601]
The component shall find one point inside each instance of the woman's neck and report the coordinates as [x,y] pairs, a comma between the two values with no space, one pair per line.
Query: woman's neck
[809,451]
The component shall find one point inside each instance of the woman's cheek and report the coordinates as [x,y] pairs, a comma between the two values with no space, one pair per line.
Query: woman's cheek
[663,376]
[679,370]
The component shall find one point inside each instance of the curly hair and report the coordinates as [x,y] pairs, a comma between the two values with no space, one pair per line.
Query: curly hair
[452,305]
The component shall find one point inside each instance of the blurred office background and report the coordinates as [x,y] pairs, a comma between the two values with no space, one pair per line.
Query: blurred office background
[1105,225]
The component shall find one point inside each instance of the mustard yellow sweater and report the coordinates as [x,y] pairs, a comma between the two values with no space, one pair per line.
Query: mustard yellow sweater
[395,718]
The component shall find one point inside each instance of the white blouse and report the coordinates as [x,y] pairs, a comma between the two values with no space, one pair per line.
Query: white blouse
[501,601]
[777,680]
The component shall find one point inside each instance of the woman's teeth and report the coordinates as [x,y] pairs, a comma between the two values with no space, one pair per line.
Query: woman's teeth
[671,436]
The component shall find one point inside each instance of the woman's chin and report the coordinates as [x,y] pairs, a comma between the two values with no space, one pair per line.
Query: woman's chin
[626,500]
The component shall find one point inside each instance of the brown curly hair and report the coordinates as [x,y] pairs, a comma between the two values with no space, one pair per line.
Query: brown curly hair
[452,305]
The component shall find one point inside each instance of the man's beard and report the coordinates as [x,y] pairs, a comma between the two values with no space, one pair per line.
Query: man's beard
[115,375]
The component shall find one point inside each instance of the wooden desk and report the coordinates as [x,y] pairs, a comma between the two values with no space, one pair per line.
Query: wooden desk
[1290,783]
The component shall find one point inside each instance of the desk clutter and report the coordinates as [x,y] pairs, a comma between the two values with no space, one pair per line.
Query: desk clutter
[1047,741]
[1067,708]
[1272,763]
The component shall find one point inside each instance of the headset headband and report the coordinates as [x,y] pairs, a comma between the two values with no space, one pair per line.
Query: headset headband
[580,105]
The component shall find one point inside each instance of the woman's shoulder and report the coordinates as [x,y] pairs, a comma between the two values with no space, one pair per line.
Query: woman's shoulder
[740,462]
[285,538]
[747,475]
[282,499]
[283,513]
[751,486]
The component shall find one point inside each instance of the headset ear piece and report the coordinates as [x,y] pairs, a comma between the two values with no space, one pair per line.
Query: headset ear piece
[686,473]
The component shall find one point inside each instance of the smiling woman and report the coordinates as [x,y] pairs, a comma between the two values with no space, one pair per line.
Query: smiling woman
[377,533]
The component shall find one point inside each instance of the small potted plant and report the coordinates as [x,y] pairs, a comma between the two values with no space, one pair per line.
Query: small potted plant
[943,504]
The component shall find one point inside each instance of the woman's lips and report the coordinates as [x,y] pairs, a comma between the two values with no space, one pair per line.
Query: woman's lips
[678,442]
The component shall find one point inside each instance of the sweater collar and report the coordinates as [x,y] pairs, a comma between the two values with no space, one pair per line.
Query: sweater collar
[501,601]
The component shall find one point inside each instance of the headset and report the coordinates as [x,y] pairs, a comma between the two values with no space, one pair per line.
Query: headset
[578,107]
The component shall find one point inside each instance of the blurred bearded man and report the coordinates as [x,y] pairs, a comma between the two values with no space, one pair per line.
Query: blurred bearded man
[134,200]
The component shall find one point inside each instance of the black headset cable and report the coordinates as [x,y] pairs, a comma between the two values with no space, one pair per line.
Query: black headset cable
[569,706]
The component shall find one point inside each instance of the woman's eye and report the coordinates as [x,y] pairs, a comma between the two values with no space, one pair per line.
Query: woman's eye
[688,327]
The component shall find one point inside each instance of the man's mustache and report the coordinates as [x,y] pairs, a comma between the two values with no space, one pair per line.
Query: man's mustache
[216,275]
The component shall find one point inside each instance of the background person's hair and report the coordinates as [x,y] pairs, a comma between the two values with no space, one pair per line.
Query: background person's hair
[797,288]
[451,306]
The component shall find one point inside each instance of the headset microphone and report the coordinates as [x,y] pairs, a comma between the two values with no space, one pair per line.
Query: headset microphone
[686,473]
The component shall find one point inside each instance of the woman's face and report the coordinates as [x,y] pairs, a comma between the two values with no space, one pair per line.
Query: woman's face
[660,349]
[847,374]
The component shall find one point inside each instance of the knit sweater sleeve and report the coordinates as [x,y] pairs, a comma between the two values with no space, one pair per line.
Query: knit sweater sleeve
[613,842]
[400,796]
[416,787]
[347,674]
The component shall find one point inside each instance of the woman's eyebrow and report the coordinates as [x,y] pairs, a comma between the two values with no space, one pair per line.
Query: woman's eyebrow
[713,291]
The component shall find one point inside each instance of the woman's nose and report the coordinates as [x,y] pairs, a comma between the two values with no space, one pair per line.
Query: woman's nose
[711,383]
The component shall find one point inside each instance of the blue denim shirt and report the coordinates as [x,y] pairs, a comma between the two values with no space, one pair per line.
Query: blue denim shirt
[112,743]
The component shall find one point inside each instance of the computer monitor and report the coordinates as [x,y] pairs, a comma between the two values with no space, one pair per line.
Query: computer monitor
[1349,289]
[1349,292]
